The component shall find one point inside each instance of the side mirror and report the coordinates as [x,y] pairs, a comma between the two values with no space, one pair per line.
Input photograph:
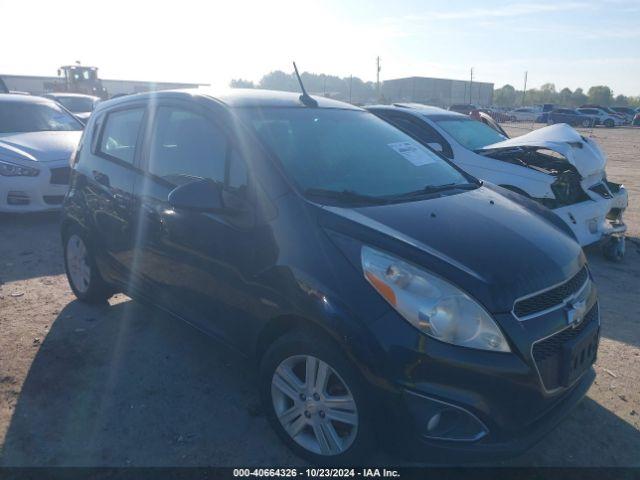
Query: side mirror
[200,196]
[436,147]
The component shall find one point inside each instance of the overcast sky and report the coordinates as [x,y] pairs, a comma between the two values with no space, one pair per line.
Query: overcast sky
[570,43]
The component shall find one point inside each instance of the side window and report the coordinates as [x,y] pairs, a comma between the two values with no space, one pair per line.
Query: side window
[185,146]
[120,133]
[421,132]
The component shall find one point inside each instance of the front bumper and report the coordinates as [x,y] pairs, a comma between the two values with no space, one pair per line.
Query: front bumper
[503,394]
[588,220]
[43,192]
[512,444]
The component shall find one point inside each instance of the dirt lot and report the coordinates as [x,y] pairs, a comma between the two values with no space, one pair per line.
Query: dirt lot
[123,384]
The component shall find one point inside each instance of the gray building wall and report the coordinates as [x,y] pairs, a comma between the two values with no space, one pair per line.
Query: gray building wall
[36,84]
[437,91]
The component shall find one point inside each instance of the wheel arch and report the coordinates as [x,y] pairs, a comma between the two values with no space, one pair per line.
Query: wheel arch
[359,352]
[283,324]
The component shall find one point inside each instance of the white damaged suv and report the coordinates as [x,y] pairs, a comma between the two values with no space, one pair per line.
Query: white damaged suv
[554,165]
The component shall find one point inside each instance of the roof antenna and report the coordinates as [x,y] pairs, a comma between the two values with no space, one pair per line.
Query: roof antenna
[305,97]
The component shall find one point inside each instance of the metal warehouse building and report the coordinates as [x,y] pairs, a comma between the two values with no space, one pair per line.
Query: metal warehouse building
[437,91]
[36,85]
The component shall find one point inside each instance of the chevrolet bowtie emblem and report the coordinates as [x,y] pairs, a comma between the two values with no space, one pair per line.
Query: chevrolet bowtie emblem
[575,312]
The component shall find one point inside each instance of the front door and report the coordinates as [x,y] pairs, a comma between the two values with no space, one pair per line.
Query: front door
[194,262]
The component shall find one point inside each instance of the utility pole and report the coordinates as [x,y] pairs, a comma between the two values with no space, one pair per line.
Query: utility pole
[471,85]
[378,75]
[524,90]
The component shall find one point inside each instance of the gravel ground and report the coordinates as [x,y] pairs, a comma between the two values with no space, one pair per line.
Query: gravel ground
[123,384]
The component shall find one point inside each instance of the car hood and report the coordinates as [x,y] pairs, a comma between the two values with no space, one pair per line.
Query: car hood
[480,240]
[584,154]
[39,146]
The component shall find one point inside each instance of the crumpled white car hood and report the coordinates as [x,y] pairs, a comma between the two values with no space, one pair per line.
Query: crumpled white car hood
[582,153]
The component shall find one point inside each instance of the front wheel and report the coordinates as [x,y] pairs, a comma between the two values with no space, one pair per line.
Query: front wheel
[316,400]
[82,273]
[614,249]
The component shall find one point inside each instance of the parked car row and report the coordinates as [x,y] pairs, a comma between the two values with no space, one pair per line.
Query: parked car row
[397,272]
[585,116]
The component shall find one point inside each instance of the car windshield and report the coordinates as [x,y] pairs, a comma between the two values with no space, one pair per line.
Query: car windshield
[349,152]
[76,104]
[18,117]
[470,133]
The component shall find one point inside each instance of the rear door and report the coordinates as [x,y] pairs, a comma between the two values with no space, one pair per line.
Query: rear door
[107,172]
[192,262]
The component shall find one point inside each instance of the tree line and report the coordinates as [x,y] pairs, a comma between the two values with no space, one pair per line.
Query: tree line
[508,96]
[355,90]
[351,89]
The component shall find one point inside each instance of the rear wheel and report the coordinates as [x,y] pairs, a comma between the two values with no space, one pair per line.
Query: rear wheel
[82,273]
[316,400]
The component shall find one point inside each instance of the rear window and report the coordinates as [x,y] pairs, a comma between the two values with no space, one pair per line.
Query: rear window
[77,104]
[470,133]
[120,134]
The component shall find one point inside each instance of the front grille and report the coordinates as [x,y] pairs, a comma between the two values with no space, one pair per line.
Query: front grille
[552,297]
[18,198]
[60,175]
[551,355]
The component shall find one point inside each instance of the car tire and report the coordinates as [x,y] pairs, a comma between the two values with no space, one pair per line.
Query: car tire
[82,272]
[609,123]
[614,249]
[320,437]
[586,123]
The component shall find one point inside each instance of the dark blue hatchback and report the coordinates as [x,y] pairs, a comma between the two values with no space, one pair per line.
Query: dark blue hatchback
[384,293]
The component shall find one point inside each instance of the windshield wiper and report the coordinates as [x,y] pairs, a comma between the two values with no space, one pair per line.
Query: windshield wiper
[344,196]
[431,189]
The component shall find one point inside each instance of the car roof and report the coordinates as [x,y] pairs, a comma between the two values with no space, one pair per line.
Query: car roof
[235,98]
[418,109]
[13,98]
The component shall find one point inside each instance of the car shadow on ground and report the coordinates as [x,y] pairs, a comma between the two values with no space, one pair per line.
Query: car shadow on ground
[38,254]
[125,384]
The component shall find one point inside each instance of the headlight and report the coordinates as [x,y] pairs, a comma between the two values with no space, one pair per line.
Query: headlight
[430,304]
[8,169]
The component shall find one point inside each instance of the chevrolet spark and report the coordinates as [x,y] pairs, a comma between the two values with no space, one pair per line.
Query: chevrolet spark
[383,292]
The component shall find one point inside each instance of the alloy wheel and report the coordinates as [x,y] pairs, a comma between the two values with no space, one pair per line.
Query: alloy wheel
[78,263]
[314,405]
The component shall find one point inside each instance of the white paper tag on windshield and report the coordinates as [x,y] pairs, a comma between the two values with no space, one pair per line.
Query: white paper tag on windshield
[412,152]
